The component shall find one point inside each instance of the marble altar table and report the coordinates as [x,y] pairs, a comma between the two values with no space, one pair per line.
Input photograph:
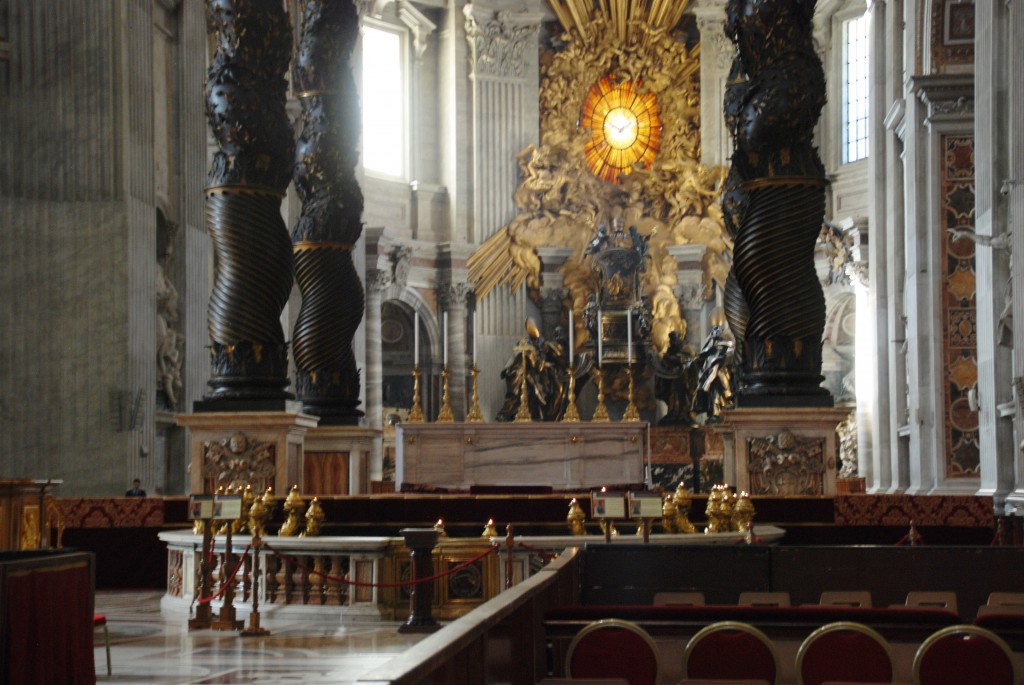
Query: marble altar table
[565,456]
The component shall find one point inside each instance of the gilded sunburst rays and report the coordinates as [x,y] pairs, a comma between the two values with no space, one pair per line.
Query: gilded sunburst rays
[624,125]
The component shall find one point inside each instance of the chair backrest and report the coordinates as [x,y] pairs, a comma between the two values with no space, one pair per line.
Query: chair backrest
[1015,599]
[730,650]
[764,599]
[844,651]
[613,648]
[679,599]
[933,600]
[964,654]
[845,598]
[584,681]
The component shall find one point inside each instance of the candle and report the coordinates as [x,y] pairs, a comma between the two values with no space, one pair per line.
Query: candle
[600,338]
[474,339]
[444,338]
[416,339]
[571,347]
[629,335]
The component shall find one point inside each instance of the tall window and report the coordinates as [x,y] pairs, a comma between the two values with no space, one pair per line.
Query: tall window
[855,89]
[383,101]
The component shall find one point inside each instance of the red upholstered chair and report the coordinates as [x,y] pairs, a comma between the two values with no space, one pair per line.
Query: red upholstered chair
[613,648]
[730,650]
[100,621]
[846,652]
[964,654]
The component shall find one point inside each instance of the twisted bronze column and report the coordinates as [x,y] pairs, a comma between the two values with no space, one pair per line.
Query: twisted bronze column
[327,380]
[774,203]
[245,106]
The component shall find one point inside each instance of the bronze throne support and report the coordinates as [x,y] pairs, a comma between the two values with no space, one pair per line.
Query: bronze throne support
[774,203]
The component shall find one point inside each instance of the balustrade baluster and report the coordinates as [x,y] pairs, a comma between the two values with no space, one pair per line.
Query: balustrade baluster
[271,565]
[332,587]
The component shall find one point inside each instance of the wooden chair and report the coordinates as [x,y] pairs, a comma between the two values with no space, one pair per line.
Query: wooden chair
[841,598]
[679,599]
[965,654]
[764,599]
[613,648]
[100,621]
[730,651]
[844,652]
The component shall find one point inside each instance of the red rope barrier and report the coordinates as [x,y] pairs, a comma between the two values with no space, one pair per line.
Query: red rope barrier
[546,556]
[229,581]
[358,583]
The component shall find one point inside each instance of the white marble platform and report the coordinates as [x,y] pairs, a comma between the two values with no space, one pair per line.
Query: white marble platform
[563,455]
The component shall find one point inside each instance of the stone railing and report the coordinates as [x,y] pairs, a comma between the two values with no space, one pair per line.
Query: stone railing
[336,576]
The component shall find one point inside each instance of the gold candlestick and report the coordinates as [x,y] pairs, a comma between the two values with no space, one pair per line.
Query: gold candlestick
[445,415]
[416,413]
[601,411]
[475,415]
[631,413]
[572,414]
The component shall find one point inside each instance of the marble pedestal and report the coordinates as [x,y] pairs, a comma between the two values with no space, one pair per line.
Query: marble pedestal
[247,448]
[564,456]
[781,451]
[336,460]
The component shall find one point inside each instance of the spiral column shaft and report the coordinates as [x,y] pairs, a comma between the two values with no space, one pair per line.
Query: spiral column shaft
[327,378]
[245,107]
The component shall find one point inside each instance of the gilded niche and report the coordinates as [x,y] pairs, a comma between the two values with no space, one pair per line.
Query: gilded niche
[650,178]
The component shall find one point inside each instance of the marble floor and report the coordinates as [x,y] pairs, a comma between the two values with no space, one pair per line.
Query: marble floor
[147,647]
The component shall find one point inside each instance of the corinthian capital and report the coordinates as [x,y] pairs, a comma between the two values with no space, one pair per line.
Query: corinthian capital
[453,295]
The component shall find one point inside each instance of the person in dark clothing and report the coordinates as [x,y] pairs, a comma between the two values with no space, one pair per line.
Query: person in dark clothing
[136,489]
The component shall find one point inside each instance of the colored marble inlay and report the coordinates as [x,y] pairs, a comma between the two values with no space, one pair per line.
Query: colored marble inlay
[952,33]
[959,310]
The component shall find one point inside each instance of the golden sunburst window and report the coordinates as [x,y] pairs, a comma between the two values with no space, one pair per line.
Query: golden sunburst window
[624,126]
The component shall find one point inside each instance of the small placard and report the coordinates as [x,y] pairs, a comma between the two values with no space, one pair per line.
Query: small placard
[644,505]
[200,507]
[227,507]
[610,505]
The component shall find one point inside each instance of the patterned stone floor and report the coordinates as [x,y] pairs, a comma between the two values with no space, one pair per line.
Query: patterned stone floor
[150,647]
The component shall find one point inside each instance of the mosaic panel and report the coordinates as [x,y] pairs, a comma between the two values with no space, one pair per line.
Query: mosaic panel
[952,33]
[959,312]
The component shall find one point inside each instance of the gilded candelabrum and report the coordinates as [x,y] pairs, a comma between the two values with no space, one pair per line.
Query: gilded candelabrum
[600,411]
[714,511]
[669,514]
[439,527]
[572,414]
[490,531]
[475,415]
[445,414]
[293,505]
[683,501]
[743,513]
[631,413]
[258,515]
[416,413]
[576,518]
[314,517]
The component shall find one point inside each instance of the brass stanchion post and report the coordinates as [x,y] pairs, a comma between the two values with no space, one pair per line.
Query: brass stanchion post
[254,629]
[226,618]
[509,545]
[204,613]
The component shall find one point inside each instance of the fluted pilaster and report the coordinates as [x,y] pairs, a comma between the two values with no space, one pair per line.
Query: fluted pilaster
[452,298]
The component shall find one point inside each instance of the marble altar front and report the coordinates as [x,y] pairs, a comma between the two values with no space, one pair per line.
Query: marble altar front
[565,456]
